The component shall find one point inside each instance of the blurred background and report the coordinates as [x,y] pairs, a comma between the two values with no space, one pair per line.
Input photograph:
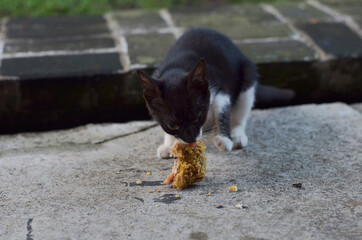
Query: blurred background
[65,63]
[36,8]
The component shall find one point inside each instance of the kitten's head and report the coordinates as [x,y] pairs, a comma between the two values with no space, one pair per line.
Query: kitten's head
[178,101]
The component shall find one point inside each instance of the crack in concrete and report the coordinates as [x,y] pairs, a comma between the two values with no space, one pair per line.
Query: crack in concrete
[68,145]
[127,134]
[29,235]
[64,146]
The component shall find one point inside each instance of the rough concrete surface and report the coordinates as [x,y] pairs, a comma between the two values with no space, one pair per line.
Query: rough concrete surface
[79,188]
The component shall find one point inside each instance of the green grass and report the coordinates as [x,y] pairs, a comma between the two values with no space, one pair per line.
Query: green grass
[17,8]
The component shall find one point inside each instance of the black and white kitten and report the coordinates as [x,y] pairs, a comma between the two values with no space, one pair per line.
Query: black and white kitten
[204,76]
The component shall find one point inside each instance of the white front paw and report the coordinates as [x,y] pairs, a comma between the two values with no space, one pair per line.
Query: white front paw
[163,151]
[240,139]
[223,143]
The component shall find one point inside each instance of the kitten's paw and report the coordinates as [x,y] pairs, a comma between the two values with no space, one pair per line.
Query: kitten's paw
[240,140]
[223,143]
[163,151]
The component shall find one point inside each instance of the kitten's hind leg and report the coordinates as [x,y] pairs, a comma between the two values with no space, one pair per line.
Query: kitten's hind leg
[239,117]
[222,109]
[164,150]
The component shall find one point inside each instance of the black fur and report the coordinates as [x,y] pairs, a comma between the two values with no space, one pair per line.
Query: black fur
[201,61]
[227,69]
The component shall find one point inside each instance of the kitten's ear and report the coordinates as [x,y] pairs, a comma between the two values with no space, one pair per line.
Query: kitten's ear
[150,89]
[198,76]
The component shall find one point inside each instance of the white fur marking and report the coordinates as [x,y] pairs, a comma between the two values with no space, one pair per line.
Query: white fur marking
[163,151]
[239,116]
[200,135]
[223,143]
[221,100]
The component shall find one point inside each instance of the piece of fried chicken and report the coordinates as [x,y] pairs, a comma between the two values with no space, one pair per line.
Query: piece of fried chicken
[189,165]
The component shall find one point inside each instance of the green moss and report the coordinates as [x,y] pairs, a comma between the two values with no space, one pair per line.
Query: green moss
[18,8]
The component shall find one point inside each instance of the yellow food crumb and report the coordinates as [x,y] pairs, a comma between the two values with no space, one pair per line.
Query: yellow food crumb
[233,188]
[209,194]
[238,206]
[177,196]
[148,173]
[157,190]
[189,166]
[139,182]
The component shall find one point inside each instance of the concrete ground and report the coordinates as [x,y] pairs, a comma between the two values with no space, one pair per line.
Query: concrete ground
[299,178]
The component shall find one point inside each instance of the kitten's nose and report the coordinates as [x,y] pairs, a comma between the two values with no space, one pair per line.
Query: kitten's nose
[189,140]
[193,144]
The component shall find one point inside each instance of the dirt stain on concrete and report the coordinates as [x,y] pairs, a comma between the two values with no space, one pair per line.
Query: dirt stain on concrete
[146,183]
[198,236]
[167,198]
[29,235]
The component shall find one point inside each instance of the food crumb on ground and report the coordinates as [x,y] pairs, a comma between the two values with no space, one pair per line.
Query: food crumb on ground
[209,194]
[139,182]
[150,191]
[148,173]
[177,196]
[157,190]
[238,206]
[233,188]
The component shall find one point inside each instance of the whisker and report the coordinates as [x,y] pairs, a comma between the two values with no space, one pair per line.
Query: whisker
[207,139]
[208,129]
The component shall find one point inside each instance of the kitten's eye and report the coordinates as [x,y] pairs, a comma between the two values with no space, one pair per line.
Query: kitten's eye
[172,126]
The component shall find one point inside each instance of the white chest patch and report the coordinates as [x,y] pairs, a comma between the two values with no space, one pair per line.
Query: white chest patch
[220,101]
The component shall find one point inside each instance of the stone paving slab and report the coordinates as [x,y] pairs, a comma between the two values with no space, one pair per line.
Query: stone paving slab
[300,11]
[135,21]
[55,21]
[238,21]
[333,38]
[55,66]
[149,49]
[350,7]
[58,45]
[56,27]
[297,179]
[281,51]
